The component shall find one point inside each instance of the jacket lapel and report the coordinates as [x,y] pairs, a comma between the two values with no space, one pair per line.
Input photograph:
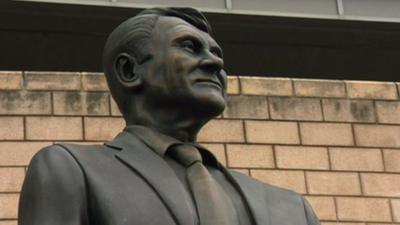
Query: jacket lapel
[157,173]
[254,195]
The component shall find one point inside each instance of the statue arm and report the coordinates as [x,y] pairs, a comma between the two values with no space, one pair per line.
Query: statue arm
[53,192]
[312,219]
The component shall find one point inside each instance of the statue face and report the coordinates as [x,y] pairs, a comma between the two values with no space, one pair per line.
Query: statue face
[186,67]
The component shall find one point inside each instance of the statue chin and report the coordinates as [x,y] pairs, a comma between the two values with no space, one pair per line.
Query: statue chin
[210,102]
[211,107]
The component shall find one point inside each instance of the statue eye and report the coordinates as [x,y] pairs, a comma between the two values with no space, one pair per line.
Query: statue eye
[189,46]
[217,52]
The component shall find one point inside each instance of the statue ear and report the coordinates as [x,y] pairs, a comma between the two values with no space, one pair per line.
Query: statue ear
[126,68]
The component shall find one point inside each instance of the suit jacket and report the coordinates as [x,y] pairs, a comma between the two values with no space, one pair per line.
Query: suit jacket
[124,182]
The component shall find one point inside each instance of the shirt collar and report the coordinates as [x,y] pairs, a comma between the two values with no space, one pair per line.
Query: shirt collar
[160,143]
[155,140]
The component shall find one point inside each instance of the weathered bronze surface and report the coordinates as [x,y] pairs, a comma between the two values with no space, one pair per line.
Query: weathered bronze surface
[166,74]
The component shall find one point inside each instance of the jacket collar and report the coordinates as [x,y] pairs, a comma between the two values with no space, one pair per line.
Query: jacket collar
[160,143]
[255,194]
[152,168]
[157,141]
[135,154]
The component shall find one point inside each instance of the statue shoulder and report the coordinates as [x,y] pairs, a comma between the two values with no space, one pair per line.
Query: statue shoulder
[280,199]
[59,155]
[53,154]
[52,160]
[54,176]
[266,188]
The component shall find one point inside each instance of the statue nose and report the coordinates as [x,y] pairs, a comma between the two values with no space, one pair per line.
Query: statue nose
[211,68]
[212,63]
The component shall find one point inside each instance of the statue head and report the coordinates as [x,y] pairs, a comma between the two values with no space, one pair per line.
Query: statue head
[165,59]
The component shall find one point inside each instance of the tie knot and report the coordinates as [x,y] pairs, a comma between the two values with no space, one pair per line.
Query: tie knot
[185,154]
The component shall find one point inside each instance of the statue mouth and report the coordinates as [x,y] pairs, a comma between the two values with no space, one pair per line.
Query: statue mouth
[209,82]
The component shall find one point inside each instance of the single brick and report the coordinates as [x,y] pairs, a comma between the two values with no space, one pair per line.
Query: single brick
[382,224]
[388,112]
[363,209]
[52,81]
[377,135]
[398,87]
[250,107]
[218,150]
[81,103]
[396,209]
[233,85]
[289,108]
[9,206]
[222,131]
[377,184]
[333,183]
[8,222]
[19,153]
[25,102]
[12,128]
[94,82]
[347,223]
[250,156]
[272,132]
[266,86]
[54,128]
[371,90]
[102,128]
[11,179]
[357,159]
[10,80]
[324,207]
[293,180]
[114,108]
[348,110]
[392,160]
[319,88]
[326,134]
[296,157]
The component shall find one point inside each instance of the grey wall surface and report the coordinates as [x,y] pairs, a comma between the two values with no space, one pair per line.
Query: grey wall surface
[371,10]
[69,37]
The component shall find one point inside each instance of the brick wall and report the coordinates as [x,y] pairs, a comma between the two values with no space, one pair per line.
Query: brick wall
[337,142]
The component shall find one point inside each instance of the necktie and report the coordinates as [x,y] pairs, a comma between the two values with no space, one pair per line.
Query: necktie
[213,204]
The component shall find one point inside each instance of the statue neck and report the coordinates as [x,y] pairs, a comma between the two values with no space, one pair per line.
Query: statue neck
[176,122]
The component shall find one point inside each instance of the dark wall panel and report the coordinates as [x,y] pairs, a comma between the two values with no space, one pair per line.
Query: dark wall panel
[60,37]
[50,51]
[301,6]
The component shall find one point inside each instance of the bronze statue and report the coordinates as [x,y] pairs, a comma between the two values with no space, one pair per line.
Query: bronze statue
[166,74]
